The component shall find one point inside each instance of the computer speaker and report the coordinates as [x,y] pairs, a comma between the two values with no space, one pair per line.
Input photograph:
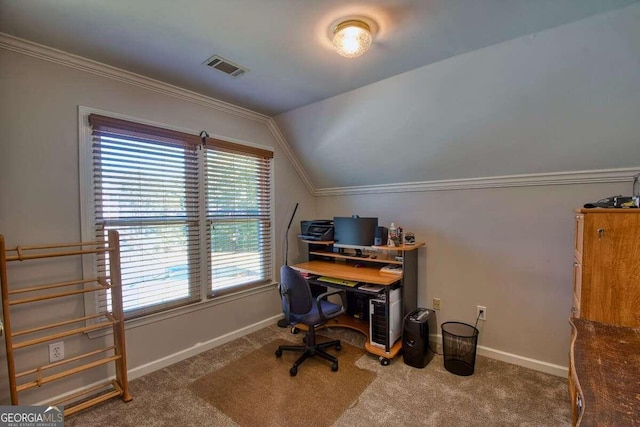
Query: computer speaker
[380,238]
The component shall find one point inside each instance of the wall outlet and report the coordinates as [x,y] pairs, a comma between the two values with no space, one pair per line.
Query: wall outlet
[436,303]
[56,351]
[481,313]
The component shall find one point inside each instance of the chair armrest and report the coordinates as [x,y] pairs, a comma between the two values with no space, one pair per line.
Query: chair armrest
[319,298]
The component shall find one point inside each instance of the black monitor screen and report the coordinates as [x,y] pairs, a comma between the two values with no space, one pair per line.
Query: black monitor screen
[354,232]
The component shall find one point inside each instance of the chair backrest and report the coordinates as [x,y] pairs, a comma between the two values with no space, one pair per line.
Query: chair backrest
[295,289]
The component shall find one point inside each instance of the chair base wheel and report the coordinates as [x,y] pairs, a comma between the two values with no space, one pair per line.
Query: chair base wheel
[293,371]
[334,367]
[278,353]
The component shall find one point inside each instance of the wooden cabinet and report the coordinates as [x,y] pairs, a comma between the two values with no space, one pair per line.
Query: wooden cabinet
[607,266]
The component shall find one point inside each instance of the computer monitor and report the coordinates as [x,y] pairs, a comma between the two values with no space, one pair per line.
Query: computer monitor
[354,232]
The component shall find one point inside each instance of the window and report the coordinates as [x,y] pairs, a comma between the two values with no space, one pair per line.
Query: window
[194,217]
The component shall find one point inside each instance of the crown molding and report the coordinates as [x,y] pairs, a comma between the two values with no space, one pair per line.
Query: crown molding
[50,54]
[275,131]
[60,57]
[46,53]
[529,180]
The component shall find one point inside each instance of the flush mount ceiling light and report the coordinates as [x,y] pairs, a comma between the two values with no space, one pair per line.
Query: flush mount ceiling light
[352,38]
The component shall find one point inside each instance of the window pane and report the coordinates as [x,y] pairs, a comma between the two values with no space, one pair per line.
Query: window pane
[157,267]
[148,191]
[239,219]
[237,253]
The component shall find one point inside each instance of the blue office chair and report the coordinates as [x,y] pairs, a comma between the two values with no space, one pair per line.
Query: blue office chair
[300,306]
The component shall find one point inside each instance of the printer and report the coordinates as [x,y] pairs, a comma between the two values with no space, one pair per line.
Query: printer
[316,229]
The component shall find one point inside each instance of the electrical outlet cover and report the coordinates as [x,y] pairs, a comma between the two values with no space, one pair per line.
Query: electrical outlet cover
[56,351]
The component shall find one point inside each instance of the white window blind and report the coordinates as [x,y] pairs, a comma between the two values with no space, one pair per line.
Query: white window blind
[238,218]
[146,187]
[150,184]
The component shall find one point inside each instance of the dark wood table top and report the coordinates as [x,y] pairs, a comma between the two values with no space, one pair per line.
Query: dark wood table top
[606,360]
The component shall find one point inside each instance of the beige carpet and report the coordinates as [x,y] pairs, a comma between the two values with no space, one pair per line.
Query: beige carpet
[498,394]
[261,382]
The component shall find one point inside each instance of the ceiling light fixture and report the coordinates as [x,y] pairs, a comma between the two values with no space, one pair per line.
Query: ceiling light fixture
[352,38]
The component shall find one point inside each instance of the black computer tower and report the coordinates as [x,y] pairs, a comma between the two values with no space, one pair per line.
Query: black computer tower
[358,305]
[419,337]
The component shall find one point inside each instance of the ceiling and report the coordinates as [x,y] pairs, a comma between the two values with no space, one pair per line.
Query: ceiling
[284,43]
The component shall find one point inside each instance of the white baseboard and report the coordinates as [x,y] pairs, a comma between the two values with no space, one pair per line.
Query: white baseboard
[526,362]
[163,362]
[536,365]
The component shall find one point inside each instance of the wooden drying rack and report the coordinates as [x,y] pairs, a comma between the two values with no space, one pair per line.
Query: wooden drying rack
[114,319]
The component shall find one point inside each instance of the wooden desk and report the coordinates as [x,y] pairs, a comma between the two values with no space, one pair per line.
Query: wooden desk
[604,378]
[361,274]
[325,261]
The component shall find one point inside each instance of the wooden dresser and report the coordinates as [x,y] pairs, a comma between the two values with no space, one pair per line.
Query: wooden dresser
[605,374]
[607,266]
[604,371]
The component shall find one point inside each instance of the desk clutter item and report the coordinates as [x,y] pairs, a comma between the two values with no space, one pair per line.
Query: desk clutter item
[78,363]
[318,229]
[371,288]
[614,202]
[409,238]
[392,268]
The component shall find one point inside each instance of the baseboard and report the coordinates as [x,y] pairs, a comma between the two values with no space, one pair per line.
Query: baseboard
[163,362]
[514,359]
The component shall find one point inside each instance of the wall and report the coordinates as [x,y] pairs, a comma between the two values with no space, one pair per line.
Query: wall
[561,100]
[508,249]
[39,189]
[565,99]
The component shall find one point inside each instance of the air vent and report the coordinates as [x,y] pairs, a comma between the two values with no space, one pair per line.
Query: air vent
[225,66]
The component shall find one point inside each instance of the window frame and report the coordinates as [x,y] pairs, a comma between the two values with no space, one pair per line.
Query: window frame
[87,218]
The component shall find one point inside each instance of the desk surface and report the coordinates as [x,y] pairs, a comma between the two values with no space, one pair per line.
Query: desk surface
[348,272]
[606,362]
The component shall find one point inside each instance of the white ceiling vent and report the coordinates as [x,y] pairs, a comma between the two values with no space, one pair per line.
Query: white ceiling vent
[225,66]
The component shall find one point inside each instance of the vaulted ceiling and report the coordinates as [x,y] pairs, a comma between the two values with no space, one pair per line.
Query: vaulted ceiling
[450,89]
[284,43]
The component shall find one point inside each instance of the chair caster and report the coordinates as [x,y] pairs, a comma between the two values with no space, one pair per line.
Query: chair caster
[293,371]
[384,361]
[334,367]
[278,353]
[338,347]
[294,330]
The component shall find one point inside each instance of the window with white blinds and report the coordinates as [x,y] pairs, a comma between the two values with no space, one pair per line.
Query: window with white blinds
[150,184]
[238,218]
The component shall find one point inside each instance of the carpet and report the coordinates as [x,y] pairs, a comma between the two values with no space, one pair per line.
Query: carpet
[244,389]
